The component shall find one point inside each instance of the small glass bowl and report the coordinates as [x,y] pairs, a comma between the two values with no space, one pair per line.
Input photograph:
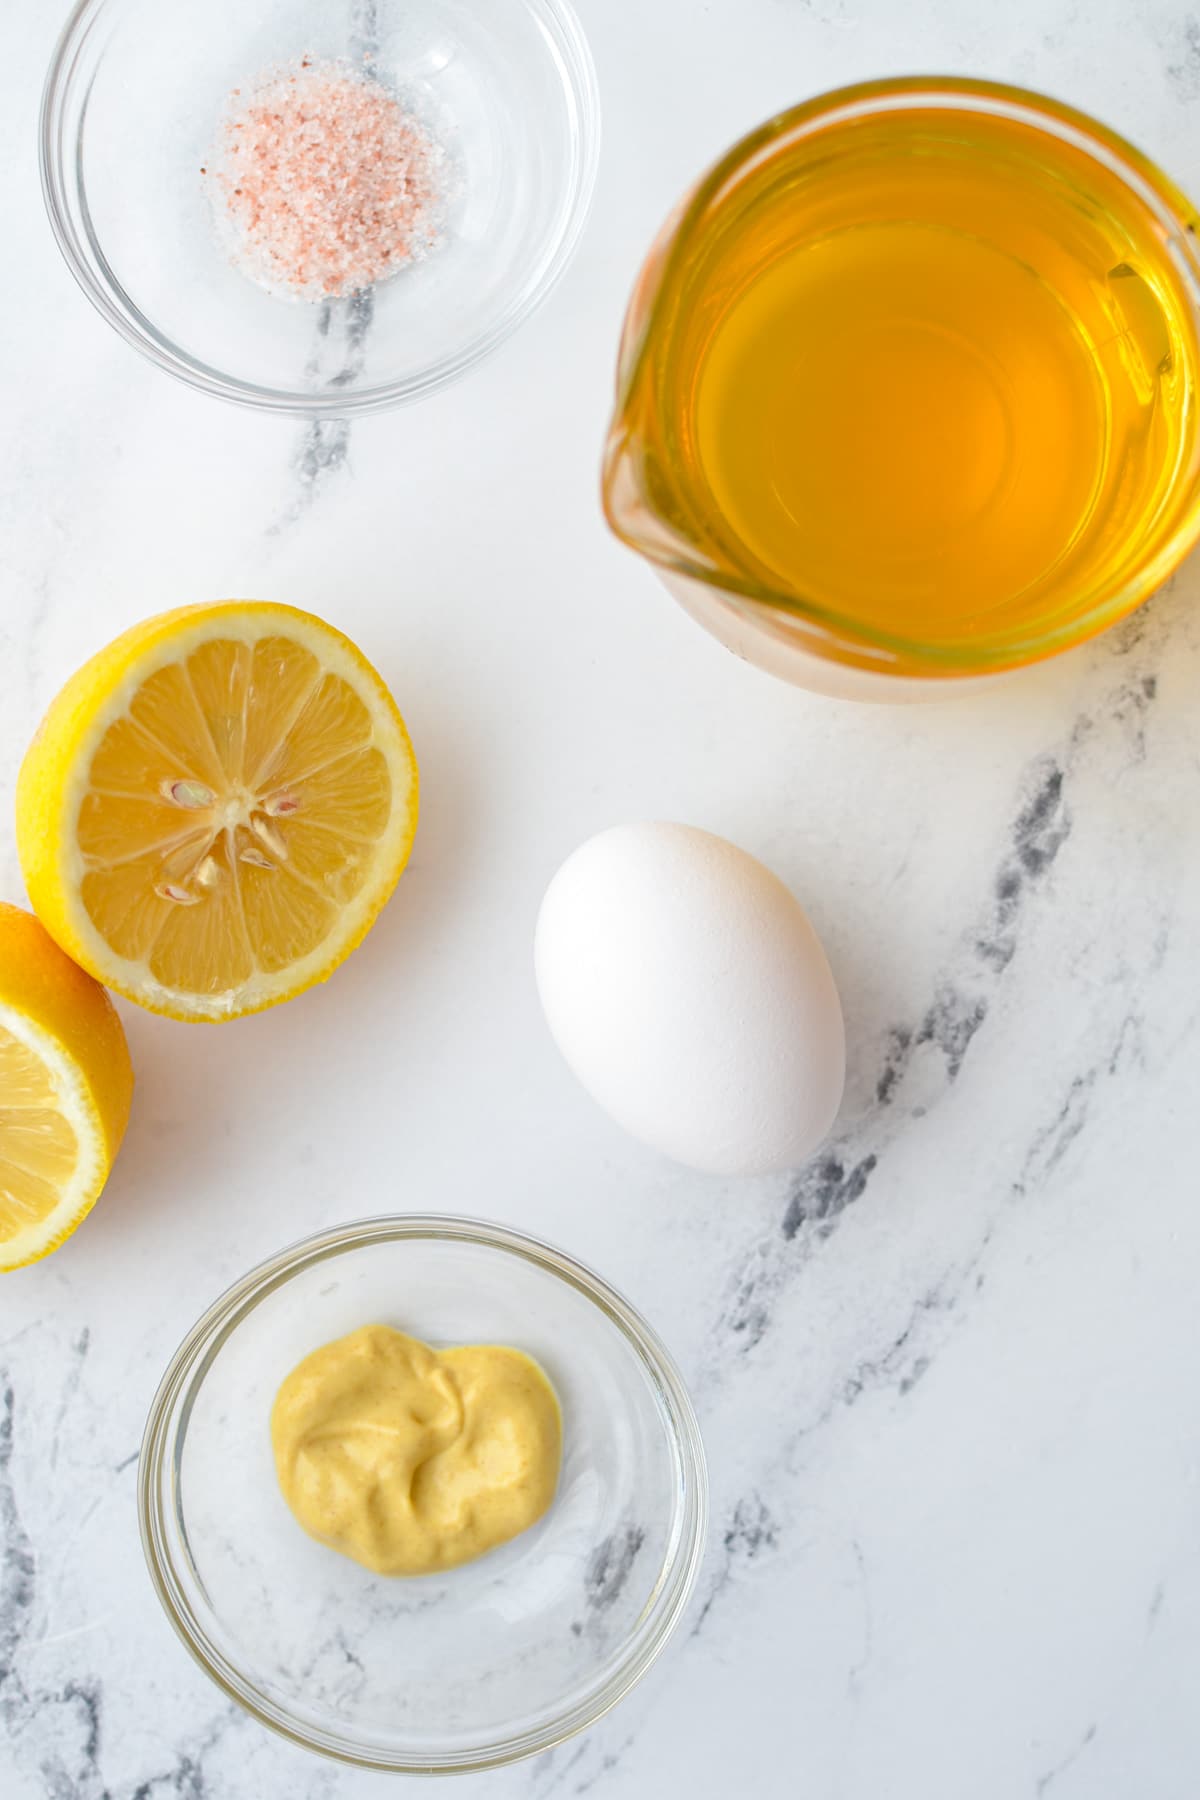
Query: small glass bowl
[129,114]
[487,1663]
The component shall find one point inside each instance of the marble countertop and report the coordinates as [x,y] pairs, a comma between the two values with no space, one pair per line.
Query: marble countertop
[946,1375]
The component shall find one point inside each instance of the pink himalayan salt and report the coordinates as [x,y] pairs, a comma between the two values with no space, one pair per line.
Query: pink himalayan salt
[325,182]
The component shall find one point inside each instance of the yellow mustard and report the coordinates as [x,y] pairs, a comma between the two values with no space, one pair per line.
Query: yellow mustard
[410,1459]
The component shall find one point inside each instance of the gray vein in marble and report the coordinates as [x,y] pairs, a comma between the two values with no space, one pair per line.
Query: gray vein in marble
[1055,1139]
[752,1532]
[186,1780]
[608,1762]
[79,1350]
[1052,1141]
[322,450]
[825,1189]
[21,1333]
[904,1361]
[1126,637]
[64,1725]
[352,1659]
[1046,1781]
[859,1667]
[18,1574]
[86,1696]
[840,1174]
[1154,1610]
[900,1364]
[610,1566]
[752,1529]
[346,1663]
[343,327]
[1183,71]
[364,32]
[1040,830]
[938,1043]
[550,1775]
[70,1765]
[1132,705]
[58,1732]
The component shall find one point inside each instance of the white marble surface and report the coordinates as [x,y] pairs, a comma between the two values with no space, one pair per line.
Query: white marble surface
[947,1375]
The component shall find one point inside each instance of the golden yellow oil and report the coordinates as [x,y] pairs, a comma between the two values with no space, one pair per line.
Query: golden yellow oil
[938,379]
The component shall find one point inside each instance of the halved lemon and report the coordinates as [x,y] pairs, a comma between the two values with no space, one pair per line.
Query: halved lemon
[216,807]
[65,1087]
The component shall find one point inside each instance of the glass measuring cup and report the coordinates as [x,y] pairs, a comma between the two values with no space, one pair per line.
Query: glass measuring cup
[1022,471]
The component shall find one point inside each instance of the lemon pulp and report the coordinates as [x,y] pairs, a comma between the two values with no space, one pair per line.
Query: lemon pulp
[65,1088]
[216,808]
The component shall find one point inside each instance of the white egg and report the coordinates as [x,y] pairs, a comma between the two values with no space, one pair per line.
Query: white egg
[687,990]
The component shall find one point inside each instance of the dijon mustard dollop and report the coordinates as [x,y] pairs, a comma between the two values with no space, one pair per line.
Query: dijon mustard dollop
[411,1459]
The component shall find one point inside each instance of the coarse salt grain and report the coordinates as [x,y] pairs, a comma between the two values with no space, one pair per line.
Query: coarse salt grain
[323,184]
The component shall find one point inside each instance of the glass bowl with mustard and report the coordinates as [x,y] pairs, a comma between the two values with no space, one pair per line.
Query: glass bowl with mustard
[423,1494]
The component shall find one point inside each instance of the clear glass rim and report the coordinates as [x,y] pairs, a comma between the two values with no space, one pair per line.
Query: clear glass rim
[841,631]
[166,1427]
[61,167]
